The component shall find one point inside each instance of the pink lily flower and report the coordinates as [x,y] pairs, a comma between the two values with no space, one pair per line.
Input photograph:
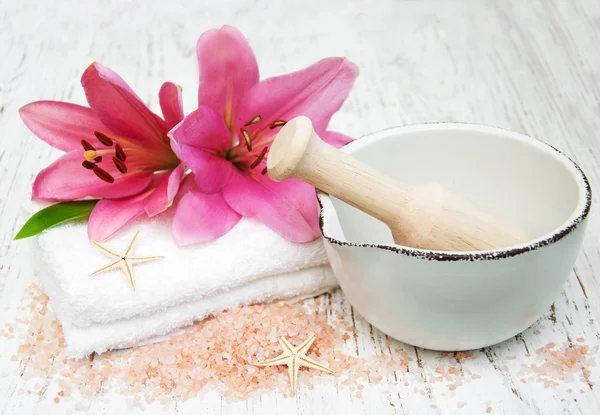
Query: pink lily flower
[226,140]
[116,150]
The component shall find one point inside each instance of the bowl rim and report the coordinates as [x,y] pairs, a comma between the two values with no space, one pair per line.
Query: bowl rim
[575,219]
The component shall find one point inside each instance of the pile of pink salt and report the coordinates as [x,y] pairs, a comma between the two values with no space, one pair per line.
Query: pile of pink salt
[217,354]
[556,365]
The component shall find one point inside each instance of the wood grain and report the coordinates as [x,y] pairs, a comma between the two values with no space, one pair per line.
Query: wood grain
[526,66]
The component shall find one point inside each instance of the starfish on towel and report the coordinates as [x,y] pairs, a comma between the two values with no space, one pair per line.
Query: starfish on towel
[124,261]
[294,357]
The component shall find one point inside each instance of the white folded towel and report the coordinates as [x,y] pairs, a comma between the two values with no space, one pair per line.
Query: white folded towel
[250,264]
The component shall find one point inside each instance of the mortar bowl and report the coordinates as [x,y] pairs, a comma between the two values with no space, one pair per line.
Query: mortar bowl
[452,301]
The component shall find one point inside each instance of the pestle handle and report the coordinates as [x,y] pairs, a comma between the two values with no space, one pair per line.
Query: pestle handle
[426,217]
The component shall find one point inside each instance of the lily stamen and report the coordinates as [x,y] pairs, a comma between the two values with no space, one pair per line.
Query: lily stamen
[253,121]
[103,174]
[87,146]
[277,123]
[260,158]
[88,165]
[103,138]
[247,138]
[119,165]
[119,152]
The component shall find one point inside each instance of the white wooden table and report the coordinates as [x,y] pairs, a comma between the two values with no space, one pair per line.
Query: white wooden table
[529,66]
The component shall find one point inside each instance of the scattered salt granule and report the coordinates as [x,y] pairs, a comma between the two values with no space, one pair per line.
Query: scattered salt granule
[217,355]
[555,365]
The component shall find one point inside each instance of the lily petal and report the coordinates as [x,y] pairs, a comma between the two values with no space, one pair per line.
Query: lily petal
[228,69]
[61,124]
[202,217]
[317,92]
[171,104]
[335,139]
[119,108]
[200,141]
[289,208]
[202,128]
[65,179]
[212,171]
[111,215]
[166,189]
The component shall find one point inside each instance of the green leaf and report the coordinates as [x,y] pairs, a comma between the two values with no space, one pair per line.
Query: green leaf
[55,215]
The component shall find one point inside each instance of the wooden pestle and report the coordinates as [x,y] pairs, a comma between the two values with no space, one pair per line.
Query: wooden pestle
[426,217]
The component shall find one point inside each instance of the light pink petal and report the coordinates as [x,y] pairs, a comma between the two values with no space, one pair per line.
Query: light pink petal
[202,128]
[66,179]
[202,217]
[289,208]
[228,69]
[335,139]
[166,189]
[212,172]
[111,215]
[119,108]
[61,124]
[316,92]
[201,141]
[171,104]
[187,183]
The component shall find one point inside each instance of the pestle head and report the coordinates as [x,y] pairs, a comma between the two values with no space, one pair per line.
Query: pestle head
[424,216]
[288,148]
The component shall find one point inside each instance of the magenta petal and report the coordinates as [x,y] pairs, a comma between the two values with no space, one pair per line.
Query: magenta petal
[119,108]
[202,217]
[316,92]
[66,179]
[166,189]
[228,69]
[212,172]
[202,128]
[61,124]
[335,139]
[289,208]
[111,215]
[171,104]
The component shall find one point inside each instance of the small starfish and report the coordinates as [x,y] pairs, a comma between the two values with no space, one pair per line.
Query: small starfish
[294,357]
[125,262]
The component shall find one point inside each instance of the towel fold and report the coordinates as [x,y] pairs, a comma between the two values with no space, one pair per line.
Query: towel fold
[250,264]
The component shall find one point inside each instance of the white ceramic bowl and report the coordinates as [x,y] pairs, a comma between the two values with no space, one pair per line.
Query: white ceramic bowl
[461,300]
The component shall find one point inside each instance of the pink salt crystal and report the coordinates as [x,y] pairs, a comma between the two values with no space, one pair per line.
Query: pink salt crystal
[536,332]
[488,410]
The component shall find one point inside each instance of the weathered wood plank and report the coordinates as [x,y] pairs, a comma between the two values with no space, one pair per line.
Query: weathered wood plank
[529,66]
